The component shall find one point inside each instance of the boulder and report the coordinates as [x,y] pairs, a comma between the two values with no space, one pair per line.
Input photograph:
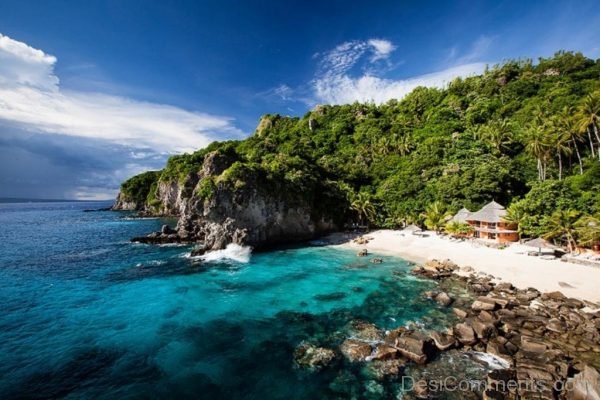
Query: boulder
[365,331]
[442,341]
[460,313]
[383,352]
[313,357]
[465,334]
[498,349]
[556,325]
[484,330]
[484,304]
[355,350]
[363,253]
[443,299]
[415,349]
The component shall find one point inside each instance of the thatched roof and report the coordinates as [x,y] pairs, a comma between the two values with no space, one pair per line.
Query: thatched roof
[461,216]
[540,243]
[491,212]
[412,228]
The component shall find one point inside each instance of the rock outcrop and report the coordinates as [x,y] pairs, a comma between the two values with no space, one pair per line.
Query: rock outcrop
[226,202]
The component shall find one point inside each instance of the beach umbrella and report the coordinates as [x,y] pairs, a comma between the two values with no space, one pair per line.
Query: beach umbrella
[540,244]
[412,228]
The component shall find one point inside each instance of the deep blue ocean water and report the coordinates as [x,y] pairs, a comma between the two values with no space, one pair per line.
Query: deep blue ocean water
[87,314]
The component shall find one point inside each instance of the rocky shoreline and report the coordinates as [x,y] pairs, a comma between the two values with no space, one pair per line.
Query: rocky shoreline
[547,344]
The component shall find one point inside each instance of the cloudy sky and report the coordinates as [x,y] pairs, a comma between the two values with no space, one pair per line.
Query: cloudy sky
[93,92]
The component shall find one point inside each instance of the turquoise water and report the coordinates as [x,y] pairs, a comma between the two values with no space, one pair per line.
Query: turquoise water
[87,314]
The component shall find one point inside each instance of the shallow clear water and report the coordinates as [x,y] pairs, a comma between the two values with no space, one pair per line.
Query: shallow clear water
[87,314]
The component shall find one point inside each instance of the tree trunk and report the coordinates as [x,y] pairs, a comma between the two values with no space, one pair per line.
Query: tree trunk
[578,157]
[597,137]
[539,168]
[559,167]
[591,142]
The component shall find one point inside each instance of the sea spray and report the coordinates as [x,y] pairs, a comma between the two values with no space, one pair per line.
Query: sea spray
[233,252]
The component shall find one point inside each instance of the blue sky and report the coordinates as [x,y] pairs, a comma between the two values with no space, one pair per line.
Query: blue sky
[93,92]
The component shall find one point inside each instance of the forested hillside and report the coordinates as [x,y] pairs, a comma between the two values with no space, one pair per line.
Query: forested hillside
[523,133]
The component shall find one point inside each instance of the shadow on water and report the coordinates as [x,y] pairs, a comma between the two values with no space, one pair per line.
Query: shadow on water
[95,367]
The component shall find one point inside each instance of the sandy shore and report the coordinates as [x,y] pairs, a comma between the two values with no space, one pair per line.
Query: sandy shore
[511,264]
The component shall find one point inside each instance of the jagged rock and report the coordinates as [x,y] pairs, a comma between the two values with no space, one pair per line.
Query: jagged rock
[365,331]
[443,299]
[484,303]
[504,287]
[415,349]
[381,370]
[498,349]
[556,325]
[442,341]
[217,208]
[465,334]
[391,336]
[355,350]
[483,330]
[383,352]
[313,357]
[554,296]
[460,313]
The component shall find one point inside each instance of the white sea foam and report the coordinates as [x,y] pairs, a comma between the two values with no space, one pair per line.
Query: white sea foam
[491,360]
[233,252]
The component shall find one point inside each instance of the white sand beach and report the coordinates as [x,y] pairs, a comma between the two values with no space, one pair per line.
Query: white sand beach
[511,264]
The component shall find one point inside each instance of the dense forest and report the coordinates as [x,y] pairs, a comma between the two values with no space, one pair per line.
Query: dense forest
[524,134]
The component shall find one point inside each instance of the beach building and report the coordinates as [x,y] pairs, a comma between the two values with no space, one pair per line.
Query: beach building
[488,223]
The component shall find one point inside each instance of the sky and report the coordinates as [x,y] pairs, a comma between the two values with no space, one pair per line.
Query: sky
[93,92]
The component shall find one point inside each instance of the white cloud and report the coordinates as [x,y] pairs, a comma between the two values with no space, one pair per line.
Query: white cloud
[476,52]
[21,64]
[334,83]
[31,99]
[382,48]
[344,89]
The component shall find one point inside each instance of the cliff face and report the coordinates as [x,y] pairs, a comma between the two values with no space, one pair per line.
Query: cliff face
[220,204]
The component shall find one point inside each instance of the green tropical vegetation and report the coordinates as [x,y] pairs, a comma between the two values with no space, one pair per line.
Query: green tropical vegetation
[524,134]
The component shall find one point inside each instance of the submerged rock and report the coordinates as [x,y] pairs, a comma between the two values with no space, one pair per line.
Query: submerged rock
[313,357]
[385,369]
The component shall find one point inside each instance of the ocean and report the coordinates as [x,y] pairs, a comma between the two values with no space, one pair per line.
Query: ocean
[87,314]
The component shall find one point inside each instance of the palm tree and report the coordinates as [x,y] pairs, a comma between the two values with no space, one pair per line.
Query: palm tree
[588,230]
[537,145]
[567,126]
[498,134]
[560,142]
[588,115]
[435,216]
[562,225]
[515,216]
[404,145]
[364,207]
[456,228]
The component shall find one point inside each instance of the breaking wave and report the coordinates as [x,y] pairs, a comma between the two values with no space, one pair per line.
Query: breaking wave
[233,252]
